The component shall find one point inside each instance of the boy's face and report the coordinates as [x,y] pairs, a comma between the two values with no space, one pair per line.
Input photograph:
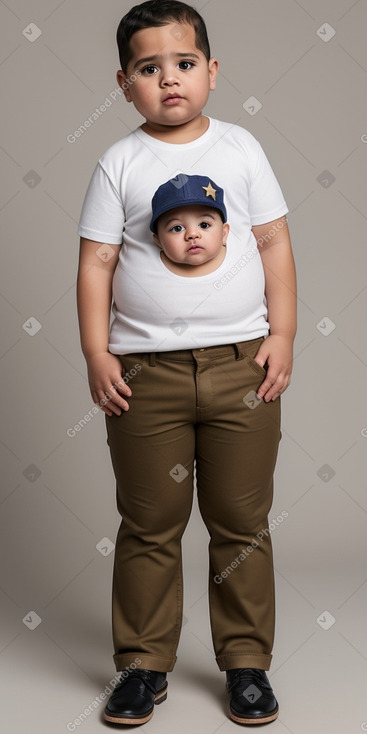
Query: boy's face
[175,78]
[192,235]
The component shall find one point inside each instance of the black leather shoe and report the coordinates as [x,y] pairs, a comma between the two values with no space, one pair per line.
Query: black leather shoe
[252,700]
[133,699]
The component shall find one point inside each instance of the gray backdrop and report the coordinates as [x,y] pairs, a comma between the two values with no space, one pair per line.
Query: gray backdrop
[305,64]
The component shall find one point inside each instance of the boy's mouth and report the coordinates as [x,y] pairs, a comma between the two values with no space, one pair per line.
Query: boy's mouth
[172,99]
[195,248]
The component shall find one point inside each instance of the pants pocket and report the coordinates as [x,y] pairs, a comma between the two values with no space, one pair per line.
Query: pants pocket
[262,371]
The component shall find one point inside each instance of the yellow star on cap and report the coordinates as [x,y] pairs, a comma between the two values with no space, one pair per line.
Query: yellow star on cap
[210,191]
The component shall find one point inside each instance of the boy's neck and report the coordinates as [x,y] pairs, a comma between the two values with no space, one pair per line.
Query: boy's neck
[178,134]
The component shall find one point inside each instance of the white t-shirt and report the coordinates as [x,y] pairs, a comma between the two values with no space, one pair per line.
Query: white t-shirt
[154,309]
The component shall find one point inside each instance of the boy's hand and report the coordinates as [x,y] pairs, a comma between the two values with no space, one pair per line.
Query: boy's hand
[277,351]
[105,374]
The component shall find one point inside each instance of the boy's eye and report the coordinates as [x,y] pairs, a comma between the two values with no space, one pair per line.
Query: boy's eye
[177,228]
[149,70]
[185,65]
[204,225]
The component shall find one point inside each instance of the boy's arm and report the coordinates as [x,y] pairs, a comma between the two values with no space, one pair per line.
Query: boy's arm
[281,293]
[94,295]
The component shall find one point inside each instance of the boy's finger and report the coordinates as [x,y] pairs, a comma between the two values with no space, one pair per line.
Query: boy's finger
[274,391]
[109,407]
[264,387]
[122,387]
[113,400]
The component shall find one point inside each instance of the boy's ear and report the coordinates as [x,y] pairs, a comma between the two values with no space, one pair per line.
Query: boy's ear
[213,72]
[225,232]
[156,240]
[121,81]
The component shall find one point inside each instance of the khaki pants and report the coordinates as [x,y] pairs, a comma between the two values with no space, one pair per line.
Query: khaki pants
[194,405]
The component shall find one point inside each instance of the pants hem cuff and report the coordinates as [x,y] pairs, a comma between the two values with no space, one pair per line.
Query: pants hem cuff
[136,660]
[244,660]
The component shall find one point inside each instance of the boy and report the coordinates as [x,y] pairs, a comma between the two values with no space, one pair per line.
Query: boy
[202,363]
[189,225]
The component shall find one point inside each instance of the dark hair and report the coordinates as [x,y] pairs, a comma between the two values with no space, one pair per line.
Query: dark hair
[154,13]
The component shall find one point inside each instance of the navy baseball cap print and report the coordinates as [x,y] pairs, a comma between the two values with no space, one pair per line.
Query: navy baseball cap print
[185,191]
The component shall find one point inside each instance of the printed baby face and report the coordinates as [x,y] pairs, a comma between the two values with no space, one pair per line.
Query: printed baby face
[192,235]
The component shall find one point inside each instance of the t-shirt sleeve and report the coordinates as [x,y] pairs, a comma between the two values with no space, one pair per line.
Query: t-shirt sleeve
[266,201]
[102,217]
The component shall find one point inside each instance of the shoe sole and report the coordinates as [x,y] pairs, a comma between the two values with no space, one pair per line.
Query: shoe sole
[253,720]
[159,698]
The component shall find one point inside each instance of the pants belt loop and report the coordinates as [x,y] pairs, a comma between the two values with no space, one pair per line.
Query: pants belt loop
[238,352]
[152,362]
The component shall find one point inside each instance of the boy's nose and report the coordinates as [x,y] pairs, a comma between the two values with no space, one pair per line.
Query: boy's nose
[169,77]
[192,233]
[169,83]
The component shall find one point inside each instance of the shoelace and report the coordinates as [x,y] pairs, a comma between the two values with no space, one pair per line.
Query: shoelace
[141,674]
[247,675]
